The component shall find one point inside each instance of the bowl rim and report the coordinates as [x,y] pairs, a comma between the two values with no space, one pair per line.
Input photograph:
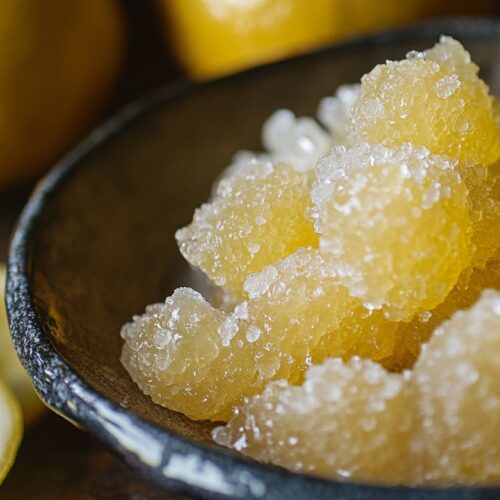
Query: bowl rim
[169,459]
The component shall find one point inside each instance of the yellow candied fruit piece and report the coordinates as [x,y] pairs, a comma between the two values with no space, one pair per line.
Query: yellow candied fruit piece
[459,397]
[395,223]
[200,361]
[258,216]
[433,99]
[360,411]
[438,424]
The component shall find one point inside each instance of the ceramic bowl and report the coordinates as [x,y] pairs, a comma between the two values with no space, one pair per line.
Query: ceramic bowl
[95,244]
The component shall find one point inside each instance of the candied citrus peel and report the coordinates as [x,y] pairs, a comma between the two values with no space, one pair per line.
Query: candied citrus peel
[395,223]
[434,99]
[437,424]
[258,216]
[195,359]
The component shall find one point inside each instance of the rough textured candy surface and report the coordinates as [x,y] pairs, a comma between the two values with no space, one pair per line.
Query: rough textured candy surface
[396,224]
[439,424]
[258,216]
[193,358]
[347,421]
[459,397]
[433,99]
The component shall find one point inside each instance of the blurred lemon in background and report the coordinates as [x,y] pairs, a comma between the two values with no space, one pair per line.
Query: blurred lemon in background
[58,63]
[212,37]
[12,373]
[215,37]
[11,430]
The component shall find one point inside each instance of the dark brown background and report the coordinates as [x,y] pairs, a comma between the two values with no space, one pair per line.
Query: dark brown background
[56,460]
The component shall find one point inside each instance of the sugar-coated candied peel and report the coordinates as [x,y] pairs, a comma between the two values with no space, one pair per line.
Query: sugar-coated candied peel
[438,424]
[348,420]
[194,358]
[258,216]
[433,99]
[395,223]
[458,394]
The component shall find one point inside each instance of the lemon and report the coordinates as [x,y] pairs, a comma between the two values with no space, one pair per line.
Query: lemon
[58,62]
[213,37]
[216,37]
[11,430]
[11,370]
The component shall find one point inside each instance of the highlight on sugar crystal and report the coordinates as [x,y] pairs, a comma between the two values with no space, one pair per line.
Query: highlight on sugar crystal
[300,142]
[395,223]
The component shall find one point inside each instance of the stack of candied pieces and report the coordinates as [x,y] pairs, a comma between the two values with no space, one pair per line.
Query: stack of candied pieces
[349,333]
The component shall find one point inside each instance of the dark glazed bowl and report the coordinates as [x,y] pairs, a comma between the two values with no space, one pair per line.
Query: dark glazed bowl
[95,245]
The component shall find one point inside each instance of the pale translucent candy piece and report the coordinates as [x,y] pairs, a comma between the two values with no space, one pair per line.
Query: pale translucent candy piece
[439,424]
[257,217]
[312,316]
[170,349]
[200,361]
[433,99]
[334,112]
[299,142]
[349,421]
[457,380]
[395,223]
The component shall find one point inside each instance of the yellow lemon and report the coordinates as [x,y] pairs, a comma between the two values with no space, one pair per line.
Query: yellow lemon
[58,62]
[214,37]
[12,372]
[11,430]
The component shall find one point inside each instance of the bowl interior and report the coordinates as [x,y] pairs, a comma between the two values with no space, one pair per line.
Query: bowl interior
[104,245]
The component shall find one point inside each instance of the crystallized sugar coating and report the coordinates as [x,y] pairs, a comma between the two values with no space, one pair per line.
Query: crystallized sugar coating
[297,314]
[439,424]
[395,223]
[347,421]
[335,112]
[433,99]
[239,163]
[299,142]
[457,381]
[257,217]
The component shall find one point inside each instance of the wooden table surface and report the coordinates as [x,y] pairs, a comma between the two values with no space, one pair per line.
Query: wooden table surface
[58,462]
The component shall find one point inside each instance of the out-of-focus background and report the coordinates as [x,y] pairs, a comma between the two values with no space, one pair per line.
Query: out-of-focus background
[67,65]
